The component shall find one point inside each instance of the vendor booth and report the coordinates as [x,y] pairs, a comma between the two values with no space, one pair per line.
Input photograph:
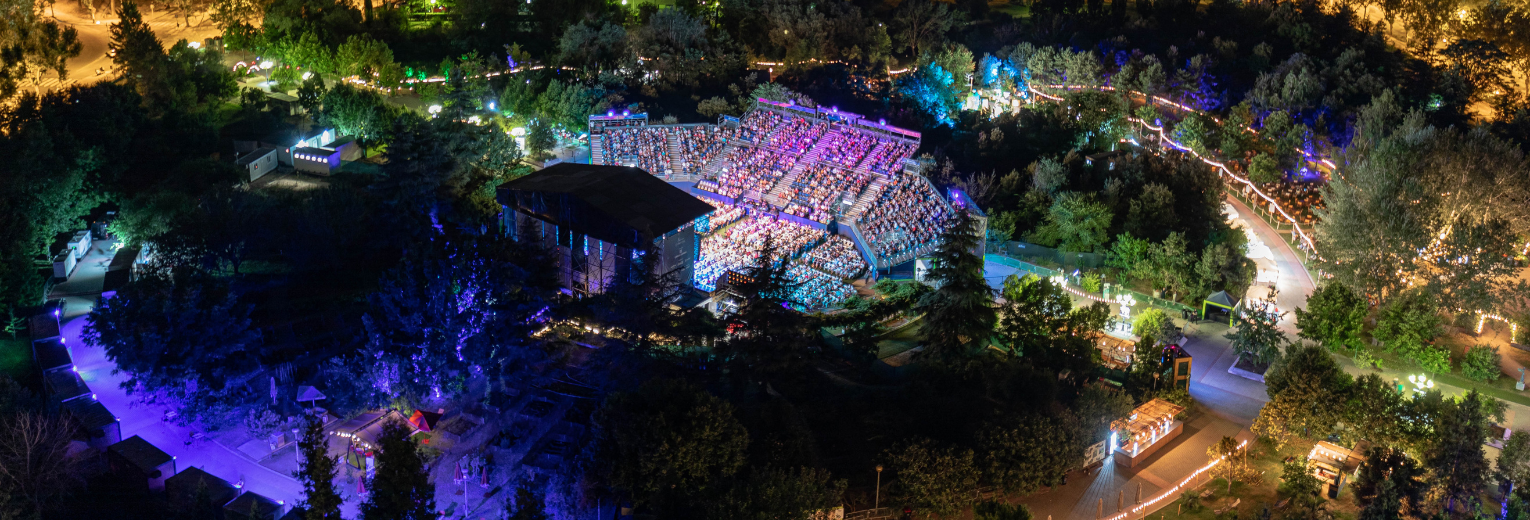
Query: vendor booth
[1334,465]
[1145,431]
[1218,303]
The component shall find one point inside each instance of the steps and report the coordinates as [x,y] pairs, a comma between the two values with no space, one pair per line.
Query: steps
[597,149]
[778,191]
[868,197]
[709,170]
[672,144]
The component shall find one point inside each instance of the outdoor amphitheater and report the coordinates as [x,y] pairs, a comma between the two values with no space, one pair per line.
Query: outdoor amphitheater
[838,195]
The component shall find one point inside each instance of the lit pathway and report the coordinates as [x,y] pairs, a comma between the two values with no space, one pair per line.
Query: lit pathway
[144,420]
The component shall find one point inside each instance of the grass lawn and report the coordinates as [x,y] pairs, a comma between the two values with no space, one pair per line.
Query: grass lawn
[1253,498]
[1501,388]
[899,341]
[1011,7]
[15,358]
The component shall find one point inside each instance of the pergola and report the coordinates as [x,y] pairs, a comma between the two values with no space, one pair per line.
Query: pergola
[1141,433]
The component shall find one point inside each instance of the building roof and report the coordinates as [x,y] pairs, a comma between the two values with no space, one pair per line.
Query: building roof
[246,159]
[242,506]
[576,195]
[64,385]
[183,486]
[140,453]
[51,354]
[91,413]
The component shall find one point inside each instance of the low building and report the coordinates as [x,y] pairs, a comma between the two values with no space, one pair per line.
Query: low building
[257,163]
[601,220]
[319,161]
[51,356]
[139,461]
[1145,431]
[101,427]
[182,490]
[251,506]
[1334,465]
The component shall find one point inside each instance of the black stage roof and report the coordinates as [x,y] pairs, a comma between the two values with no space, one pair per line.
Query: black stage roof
[617,204]
[139,452]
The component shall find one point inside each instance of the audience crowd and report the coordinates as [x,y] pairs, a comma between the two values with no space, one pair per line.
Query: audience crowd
[797,135]
[699,145]
[1297,198]
[757,124]
[753,169]
[888,157]
[836,256]
[817,290]
[738,247]
[813,194]
[644,147]
[848,148]
[720,218]
[905,220]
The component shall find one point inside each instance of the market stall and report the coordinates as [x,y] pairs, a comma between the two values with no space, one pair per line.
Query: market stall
[1145,431]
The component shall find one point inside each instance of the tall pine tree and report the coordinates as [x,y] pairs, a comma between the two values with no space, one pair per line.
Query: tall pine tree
[400,489]
[959,315]
[768,337]
[317,472]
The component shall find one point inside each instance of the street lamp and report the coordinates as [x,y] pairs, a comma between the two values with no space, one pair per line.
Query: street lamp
[876,501]
[1421,382]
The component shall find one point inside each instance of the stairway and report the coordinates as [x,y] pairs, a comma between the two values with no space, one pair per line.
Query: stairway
[778,191]
[868,197]
[672,144]
[709,170]
[597,149]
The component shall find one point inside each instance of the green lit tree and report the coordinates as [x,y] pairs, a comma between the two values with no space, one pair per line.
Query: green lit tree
[1333,317]
[1258,337]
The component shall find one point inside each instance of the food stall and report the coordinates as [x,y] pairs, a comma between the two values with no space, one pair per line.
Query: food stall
[1145,431]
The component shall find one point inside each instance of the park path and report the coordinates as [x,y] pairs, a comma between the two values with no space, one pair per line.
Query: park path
[143,419]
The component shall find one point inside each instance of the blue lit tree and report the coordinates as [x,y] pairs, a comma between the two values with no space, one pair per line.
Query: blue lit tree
[933,90]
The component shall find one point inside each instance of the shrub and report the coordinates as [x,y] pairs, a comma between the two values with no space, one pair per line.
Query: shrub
[1150,322]
[1092,283]
[1481,363]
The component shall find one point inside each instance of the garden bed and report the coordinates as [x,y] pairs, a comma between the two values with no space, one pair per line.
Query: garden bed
[1248,369]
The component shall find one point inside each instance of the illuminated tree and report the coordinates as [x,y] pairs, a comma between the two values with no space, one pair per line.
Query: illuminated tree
[1458,467]
[1333,317]
[1076,222]
[1303,387]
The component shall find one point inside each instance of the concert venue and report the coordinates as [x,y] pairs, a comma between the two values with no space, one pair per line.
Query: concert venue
[840,195]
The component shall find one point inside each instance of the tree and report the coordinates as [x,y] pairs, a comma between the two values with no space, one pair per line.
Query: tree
[769,338]
[181,334]
[1408,325]
[668,439]
[35,460]
[1258,337]
[52,45]
[311,94]
[138,51]
[1514,462]
[317,472]
[1168,264]
[540,139]
[1299,485]
[1482,363]
[1303,386]
[1076,222]
[918,24]
[1457,465]
[232,14]
[1333,317]
[1387,505]
[772,493]
[1024,454]
[931,477]
[713,107]
[1151,323]
[368,59]
[355,111]
[1034,310]
[529,505]
[959,316]
[1234,465]
[1452,240]
[992,510]
[1373,411]
[1152,210]
[400,489]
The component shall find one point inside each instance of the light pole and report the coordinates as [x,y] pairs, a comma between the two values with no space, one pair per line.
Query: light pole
[876,502]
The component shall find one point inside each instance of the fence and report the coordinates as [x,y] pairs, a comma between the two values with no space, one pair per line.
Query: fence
[1068,260]
[1111,290]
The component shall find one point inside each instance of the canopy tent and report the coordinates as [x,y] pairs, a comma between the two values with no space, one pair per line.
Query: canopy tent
[1222,300]
[424,421]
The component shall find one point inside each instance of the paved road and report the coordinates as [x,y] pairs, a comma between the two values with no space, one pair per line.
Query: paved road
[95,35]
[142,419]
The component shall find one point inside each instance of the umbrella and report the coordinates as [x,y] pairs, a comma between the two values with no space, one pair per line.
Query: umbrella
[483,475]
[459,471]
[361,486]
